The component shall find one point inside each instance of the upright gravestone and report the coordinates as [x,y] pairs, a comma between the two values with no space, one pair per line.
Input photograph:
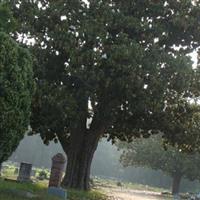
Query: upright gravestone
[58,164]
[24,172]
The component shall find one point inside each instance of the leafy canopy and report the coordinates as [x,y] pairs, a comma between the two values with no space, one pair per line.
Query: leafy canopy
[109,66]
[150,153]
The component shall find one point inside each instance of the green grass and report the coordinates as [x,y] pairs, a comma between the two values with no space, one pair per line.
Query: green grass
[14,191]
[11,191]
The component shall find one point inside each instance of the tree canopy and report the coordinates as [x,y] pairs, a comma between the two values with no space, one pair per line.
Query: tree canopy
[107,68]
[7,22]
[150,153]
[16,90]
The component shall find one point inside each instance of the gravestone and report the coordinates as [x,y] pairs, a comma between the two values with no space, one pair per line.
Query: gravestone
[58,164]
[24,172]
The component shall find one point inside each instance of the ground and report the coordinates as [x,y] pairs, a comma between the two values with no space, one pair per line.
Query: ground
[129,191]
[123,194]
[102,189]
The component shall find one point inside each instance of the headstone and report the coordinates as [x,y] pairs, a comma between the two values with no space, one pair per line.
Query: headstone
[58,163]
[58,192]
[24,172]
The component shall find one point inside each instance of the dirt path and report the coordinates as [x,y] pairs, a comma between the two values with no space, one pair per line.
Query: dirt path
[125,194]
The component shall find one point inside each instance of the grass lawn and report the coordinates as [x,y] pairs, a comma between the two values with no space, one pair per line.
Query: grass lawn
[15,191]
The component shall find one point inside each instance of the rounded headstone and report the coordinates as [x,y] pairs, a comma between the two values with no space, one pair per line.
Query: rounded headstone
[59,158]
[58,163]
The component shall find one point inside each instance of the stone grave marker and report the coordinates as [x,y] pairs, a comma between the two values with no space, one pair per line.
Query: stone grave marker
[58,164]
[24,172]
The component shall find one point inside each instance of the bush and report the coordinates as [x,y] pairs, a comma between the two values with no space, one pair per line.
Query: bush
[42,175]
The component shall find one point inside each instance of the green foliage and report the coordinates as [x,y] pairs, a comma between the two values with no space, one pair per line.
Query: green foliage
[117,56]
[7,22]
[16,90]
[42,175]
[15,191]
[107,68]
[181,122]
[150,153]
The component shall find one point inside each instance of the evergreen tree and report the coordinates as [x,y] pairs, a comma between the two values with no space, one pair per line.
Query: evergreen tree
[16,88]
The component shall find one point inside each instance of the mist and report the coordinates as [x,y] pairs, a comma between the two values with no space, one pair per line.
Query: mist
[105,163]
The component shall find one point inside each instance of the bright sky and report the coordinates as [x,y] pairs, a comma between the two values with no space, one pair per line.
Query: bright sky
[194,58]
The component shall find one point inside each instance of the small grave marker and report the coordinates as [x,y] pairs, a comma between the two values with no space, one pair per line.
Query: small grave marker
[24,172]
[58,163]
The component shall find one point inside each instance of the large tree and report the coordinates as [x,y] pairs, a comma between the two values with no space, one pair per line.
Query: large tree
[16,87]
[106,68]
[150,153]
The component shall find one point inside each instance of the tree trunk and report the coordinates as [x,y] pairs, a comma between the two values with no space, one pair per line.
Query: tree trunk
[176,183]
[79,159]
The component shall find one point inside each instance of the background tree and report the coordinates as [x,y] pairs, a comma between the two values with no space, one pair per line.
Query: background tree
[150,153]
[181,124]
[106,68]
[16,89]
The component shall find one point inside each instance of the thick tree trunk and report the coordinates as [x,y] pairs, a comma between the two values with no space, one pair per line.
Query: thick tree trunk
[79,159]
[176,183]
